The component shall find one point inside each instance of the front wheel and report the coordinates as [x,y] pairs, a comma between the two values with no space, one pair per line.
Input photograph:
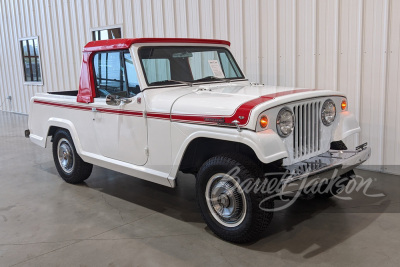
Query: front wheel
[231,211]
[69,164]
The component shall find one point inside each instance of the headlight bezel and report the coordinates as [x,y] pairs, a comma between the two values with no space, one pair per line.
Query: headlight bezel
[278,122]
[323,116]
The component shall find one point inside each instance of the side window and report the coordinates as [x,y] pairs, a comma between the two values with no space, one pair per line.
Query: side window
[115,74]
[131,74]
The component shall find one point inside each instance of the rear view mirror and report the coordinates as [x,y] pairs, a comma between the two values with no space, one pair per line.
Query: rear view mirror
[182,55]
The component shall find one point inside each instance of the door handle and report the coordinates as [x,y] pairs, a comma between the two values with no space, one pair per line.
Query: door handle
[94,110]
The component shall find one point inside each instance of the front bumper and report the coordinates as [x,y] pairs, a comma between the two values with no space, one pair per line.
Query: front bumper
[322,168]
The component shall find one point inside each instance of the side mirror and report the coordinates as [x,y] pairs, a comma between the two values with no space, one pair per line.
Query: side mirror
[114,100]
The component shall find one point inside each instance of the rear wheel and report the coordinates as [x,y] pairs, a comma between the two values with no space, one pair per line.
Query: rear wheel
[69,164]
[230,211]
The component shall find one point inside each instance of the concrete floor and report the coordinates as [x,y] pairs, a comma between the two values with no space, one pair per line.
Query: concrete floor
[117,220]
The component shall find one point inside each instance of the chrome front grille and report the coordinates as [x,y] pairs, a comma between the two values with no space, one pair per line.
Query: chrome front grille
[306,133]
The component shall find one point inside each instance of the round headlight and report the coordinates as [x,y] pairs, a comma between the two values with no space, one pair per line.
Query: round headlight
[328,112]
[285,122]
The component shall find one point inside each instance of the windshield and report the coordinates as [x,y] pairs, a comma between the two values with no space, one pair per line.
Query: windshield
[187,64]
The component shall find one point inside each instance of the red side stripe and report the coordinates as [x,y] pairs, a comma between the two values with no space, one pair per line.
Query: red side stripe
[154,115]
[242,113]
[104,110]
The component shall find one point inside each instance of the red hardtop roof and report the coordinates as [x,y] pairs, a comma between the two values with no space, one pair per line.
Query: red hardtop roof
[115,44]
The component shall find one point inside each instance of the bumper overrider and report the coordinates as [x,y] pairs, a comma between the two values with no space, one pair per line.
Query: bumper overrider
[322,168]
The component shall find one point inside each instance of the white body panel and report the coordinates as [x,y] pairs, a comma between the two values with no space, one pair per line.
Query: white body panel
[151,145]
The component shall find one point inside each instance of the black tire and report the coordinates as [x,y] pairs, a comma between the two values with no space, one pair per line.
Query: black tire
[338,184]
[72,168]
[254,220]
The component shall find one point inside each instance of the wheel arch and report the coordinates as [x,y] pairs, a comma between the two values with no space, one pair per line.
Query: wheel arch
[55,124]
[201,149]
[265,146]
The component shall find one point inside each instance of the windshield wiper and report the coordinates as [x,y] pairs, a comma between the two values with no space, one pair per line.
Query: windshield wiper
[211,78]
[171,81]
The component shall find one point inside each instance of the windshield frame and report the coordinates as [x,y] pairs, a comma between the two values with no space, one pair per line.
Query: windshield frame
[148,85]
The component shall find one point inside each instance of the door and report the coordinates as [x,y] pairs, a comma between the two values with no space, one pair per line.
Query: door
[121,131]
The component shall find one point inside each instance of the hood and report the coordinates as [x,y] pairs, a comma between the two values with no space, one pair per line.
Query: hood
[222,104]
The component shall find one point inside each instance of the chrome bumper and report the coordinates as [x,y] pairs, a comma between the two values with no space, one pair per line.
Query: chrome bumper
[322,168]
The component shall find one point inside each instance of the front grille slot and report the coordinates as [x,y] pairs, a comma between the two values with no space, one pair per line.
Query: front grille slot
[306,134]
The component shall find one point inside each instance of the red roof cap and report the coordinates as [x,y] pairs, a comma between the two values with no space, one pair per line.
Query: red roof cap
[115,44]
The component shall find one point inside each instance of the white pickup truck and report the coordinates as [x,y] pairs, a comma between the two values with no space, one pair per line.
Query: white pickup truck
[151,107]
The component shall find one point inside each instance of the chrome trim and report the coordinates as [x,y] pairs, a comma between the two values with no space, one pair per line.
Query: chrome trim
[236,122]
[321,168]
[322,112]
[115,100]
[65,155]
[278,128]
[306,134]
[226,200]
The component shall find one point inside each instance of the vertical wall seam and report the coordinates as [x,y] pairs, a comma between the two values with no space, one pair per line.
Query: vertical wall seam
[7,77]
[3,102]
[294,41]
[360,62]
[397,86]
[175,20]
[315,46]
[259,51]
[243,51]
[42,43]
[38,32]
[337,46]
[276,34]
[201,33]
[15,56]
[386,27]
[73,58]
[213,20]
[227,20]
[186,19]
[19,67]
[141,18]
[49,32]
[257,42]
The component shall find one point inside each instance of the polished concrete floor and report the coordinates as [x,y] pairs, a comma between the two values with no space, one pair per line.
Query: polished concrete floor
[117,220]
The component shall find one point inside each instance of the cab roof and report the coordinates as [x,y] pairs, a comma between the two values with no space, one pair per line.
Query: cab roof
[116,44]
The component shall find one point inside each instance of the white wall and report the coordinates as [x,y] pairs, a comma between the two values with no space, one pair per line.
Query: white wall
[346,45]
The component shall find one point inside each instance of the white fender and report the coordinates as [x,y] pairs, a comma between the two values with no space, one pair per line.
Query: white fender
[267,145]
[347,126]
[61,123]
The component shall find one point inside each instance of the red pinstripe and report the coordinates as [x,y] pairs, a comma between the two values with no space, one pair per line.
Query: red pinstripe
[243,111]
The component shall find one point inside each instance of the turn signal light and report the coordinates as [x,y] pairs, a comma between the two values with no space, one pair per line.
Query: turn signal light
[264,122]
[344,104]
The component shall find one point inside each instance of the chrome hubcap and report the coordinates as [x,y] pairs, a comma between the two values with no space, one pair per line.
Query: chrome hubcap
[225,200]
[65,155]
